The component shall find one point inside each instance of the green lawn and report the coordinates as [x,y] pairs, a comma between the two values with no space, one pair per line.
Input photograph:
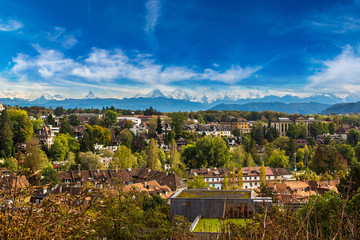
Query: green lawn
[214,224]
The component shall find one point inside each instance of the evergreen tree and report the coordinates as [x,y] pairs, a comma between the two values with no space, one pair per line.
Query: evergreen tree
[159,126]
[65,127]
[226,183]
[153,156]
[6,136]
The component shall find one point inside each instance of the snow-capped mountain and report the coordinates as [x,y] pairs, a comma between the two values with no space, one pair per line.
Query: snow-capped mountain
[180,94]
[47,96]
[156,93]
[90,95]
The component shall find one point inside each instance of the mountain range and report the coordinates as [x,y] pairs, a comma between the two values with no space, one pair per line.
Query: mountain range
[180,100]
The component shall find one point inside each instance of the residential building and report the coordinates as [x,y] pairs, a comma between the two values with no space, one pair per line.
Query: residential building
[251,176]
[135,120]
[1,107]
[236,123]
[45,136]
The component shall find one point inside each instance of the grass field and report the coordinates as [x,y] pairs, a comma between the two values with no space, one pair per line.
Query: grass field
[214,224]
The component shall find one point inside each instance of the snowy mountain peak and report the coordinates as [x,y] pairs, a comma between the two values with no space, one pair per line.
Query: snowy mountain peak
[180,94]
[48,96]
[156,93]
[90,95]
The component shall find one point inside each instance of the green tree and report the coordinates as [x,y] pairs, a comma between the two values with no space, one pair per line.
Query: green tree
[50,120]
[129,124]
[11,164]
[37,124]
[6,136]
[152,127]
[127,138]
[238,156]
[257,132]
[122,158]
[208,151]
[249,160]
[332,128]
[159,126]
[226,183]
[59,111]
[153,156]
[177,123]
[74,120]
[347,152]
[278,159]
[353,137]
[271,134]
[50,175]
[90,161]
[33,161]
[197,182]
[240,178]
[162,156]
[174,155]
[21,125]
[110,119]
[262,173]
[65,127]
[94,121]
[350,183]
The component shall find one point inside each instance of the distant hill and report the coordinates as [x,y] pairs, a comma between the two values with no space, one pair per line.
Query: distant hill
[302,108]
[343,108]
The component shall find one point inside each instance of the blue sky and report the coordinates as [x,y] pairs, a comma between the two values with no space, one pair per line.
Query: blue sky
[125,48]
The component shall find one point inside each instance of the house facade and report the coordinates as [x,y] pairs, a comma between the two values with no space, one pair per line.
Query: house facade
[283,124]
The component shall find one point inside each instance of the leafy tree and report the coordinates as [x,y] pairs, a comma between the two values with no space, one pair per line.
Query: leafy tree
[240,178]
[65,127]
[278,159]
[94,121]
[264,190]
[11,164]
[347,152]
[197,182]
[262,173]
[208,151]
[332,128]
[6,136]
[90,161]
[153,156]
[33,161]
[21,125]
[174,155]
[50,175]
[110,119]
[129,124]
[74,120]
[353,137]
[226,183]
[238,156]
[350,183]
[127,138]
[37,124]
[141,159]
[122,158]
[159,126]
[152,127]
[50,120]
[249,160]
[327,158]
[162,156]
[257,132]
[271,134]
[59,111]
[177,123]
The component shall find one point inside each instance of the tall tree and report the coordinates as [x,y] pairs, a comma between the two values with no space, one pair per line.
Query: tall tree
[152,127]
[110,119]
[177,123]
[90,161]
[122,158]
[74,120]
[174,155]
[327,159]
[353,137]
[262,173]
[6,136]
[21,125]
[65,127]
[278,159]
[33,161]
[226,183]
[127,138]
[153,156]
[159,126]
[257,132]
[240,178]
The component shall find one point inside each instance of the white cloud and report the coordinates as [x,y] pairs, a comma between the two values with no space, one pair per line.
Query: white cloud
[10,25]
[151,18]
[230,76]
[340,75]
[61,35]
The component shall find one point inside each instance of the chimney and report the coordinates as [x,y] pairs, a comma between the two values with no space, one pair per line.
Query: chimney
[116,169]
